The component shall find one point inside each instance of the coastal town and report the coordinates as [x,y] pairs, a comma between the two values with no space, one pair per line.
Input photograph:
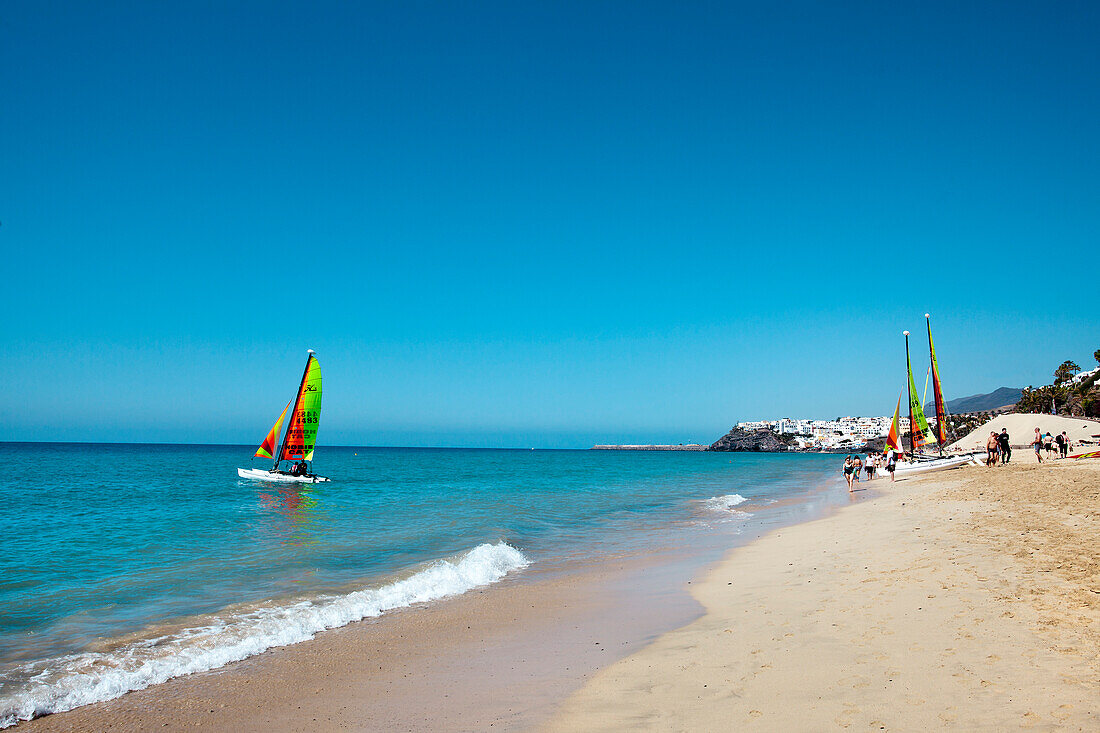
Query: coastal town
[789,434]
[841,433]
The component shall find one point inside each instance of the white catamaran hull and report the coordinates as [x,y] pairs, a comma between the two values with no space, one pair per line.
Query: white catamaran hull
[916,468]
[282,478]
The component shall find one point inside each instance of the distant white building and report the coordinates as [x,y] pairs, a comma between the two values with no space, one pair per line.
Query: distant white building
[1082,376]
[847,431]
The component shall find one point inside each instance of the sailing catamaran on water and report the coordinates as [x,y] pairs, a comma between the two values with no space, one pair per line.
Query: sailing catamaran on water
[300,437]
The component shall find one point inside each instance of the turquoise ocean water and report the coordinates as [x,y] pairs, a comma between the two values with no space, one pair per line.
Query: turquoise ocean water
[122,566]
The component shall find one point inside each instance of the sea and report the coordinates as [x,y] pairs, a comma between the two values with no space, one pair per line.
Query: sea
[122,566]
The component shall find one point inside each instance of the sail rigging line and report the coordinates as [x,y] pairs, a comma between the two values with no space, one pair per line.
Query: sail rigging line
[297,402]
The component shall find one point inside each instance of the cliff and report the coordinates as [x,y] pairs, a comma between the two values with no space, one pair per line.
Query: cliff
[756,441]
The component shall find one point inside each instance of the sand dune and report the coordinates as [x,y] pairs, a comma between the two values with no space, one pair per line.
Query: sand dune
[1021,428]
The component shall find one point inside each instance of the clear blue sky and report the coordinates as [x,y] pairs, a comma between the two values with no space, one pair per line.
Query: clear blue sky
[536,224]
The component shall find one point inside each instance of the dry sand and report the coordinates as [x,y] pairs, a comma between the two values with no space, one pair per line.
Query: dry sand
[967,600]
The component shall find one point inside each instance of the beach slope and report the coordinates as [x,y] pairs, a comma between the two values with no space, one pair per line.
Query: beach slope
[969,599]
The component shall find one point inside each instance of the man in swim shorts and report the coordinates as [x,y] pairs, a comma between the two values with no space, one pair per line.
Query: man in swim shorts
[1037,444]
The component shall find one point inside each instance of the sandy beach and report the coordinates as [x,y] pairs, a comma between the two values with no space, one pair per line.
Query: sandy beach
[966,600]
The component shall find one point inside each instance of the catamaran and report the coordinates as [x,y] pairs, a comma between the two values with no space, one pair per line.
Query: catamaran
[300,437]
[921,435]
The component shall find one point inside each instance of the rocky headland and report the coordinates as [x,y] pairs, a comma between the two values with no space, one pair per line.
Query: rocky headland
[749,441]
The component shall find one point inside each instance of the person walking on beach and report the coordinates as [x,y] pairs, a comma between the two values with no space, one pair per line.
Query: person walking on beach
[1064,445]
[1038,445]
[870,465]
[857,466]
[1048,443]
[1006,450]
[891,463]
[992,446]
[848,471]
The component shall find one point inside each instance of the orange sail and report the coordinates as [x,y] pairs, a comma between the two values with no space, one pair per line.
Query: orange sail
[893,438]
[267,448]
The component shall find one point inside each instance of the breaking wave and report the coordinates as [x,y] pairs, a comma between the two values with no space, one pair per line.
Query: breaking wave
[68,682]
[725,503]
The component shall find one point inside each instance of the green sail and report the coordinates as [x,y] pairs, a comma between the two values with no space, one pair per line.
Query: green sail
[301,436]
[918,423]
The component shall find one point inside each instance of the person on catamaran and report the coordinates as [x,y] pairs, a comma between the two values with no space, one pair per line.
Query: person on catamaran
[299,469]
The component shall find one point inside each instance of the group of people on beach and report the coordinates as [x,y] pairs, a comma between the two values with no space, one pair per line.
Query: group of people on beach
[1058,445]
[998,449]
[853,464]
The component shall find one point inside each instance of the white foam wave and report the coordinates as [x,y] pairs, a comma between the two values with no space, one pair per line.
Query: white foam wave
[725,503]
[80,679]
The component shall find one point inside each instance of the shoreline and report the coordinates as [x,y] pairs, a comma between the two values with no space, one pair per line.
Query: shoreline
[966,599]
[506,654]
[911,612]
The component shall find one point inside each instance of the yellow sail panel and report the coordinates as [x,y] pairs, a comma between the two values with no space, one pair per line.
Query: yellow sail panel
[301,436]
[267,448]
[918,423]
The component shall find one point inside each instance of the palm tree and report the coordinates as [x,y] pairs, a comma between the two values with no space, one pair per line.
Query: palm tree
[1065,371]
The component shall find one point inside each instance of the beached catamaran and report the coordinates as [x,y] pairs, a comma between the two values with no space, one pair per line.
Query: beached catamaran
[300,437]
[921,435]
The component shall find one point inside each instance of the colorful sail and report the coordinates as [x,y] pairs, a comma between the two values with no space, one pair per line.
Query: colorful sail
[919,432]
[893,438]
[301,436]
[941,407]
[267,448]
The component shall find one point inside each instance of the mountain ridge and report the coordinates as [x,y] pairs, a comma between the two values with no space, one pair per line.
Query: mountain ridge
[1000,397]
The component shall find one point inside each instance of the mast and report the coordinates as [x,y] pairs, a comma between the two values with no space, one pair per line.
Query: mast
[912,416]
[297,401]
[937,391]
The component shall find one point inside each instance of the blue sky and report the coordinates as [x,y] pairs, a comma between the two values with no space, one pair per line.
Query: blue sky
[536,224]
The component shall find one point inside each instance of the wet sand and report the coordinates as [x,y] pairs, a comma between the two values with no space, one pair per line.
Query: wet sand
[966,600]
[499,657]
